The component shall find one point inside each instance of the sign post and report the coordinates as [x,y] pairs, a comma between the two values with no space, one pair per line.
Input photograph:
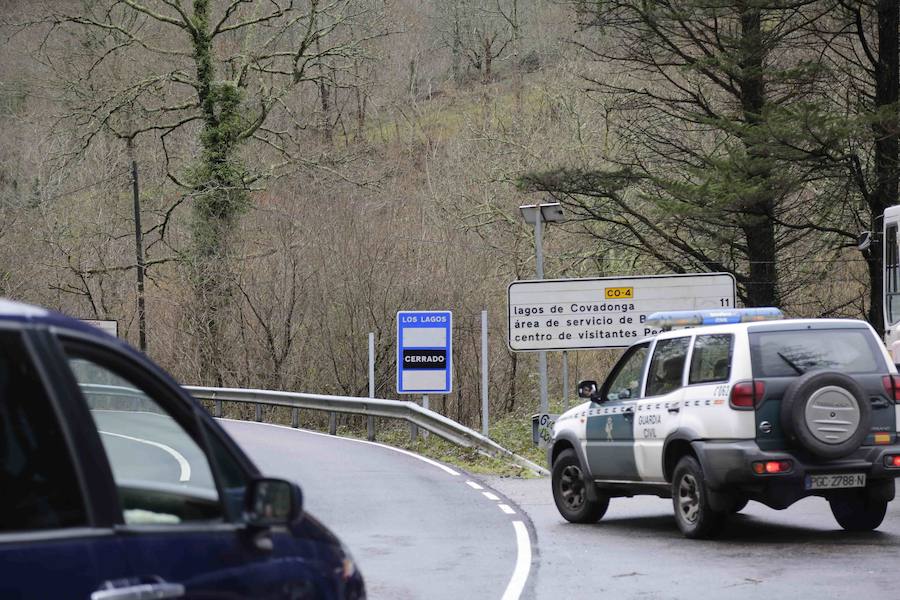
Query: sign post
[606,312]
[424,353]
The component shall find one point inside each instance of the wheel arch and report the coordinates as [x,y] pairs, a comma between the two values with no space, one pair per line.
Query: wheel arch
[567,441]
[678,444]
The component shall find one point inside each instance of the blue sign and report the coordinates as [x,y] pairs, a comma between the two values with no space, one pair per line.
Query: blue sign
[424,352]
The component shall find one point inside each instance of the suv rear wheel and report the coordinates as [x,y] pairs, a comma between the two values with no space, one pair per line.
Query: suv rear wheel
[857,512]
[570,491]
[695,517]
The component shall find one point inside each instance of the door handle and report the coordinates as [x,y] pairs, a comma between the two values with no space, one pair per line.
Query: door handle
[155,590]
[628,413]
[674,409]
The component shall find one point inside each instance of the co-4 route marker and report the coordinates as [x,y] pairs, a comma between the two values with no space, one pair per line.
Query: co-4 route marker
[424,352]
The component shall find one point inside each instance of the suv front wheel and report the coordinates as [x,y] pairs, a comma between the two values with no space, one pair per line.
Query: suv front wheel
[570,491]
[695,517]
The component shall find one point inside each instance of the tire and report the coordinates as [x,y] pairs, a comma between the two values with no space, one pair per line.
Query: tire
[858,513]
[809,421]
[570,491]
[695,517]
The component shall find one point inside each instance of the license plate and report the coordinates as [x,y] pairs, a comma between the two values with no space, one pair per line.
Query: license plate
[839,480]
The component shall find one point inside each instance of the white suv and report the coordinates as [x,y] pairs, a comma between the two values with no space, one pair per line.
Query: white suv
[739,406]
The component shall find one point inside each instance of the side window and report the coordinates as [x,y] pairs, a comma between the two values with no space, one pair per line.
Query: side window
[162,474]
[711,360]
[892,273]
[626,381]
[38,485]
[667,366]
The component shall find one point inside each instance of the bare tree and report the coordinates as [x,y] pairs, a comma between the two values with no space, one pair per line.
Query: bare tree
[222,77]
[477,32]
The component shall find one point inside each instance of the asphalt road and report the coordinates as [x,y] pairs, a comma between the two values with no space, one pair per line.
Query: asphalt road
[636,551]
[416,530]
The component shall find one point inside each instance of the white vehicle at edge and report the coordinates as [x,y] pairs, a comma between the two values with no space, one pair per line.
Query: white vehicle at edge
[739,405]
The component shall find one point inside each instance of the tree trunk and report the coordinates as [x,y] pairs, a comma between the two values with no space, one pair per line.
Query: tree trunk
[513,373]
[219,197]
[884,130]
[760,197]
[487,60]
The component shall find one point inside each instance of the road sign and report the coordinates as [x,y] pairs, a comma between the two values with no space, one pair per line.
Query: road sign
[604,312]
[424,352]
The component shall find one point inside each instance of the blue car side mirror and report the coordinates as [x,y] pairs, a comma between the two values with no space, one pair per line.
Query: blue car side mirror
[273,502]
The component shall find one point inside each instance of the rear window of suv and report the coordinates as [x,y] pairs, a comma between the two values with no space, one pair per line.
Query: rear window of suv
[788,353]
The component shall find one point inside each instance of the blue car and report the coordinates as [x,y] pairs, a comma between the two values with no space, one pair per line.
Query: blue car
[116,484]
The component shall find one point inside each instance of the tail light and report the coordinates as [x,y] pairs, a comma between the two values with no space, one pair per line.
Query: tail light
[892,386]
[892,461]
[772,467]
[745,394]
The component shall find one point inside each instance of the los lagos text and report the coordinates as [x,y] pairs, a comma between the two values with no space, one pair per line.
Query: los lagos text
[411,319]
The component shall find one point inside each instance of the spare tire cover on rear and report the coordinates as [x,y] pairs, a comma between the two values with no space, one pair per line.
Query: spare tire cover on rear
[826,412]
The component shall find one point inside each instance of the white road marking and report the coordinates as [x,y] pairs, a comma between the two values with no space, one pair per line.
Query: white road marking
[523,563]
[506,508]
[334,437]
[490,496]
[178,456]
[474,485]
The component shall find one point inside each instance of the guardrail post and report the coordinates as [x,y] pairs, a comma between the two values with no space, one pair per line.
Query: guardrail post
[332,423]
[218,410]
[259,412]
[295,418]
[370,429]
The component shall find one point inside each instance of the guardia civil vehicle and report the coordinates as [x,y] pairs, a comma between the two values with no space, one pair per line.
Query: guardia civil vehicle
[724,407]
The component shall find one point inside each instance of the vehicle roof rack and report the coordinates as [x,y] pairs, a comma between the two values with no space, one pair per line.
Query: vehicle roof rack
[696,318]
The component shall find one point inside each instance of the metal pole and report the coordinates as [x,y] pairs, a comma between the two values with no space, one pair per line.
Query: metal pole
[425,406]
[484,373]
[370,421]
[538,243]
[565,369]
[413,428]
[138,249]
[539,255]
[295,418]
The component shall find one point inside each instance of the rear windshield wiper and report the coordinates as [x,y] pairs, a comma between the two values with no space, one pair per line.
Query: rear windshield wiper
[791,364]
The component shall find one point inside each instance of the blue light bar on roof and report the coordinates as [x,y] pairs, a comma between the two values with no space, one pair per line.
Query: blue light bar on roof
[695,318]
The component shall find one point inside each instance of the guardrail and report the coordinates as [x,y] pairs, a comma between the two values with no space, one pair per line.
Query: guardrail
[410,412]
